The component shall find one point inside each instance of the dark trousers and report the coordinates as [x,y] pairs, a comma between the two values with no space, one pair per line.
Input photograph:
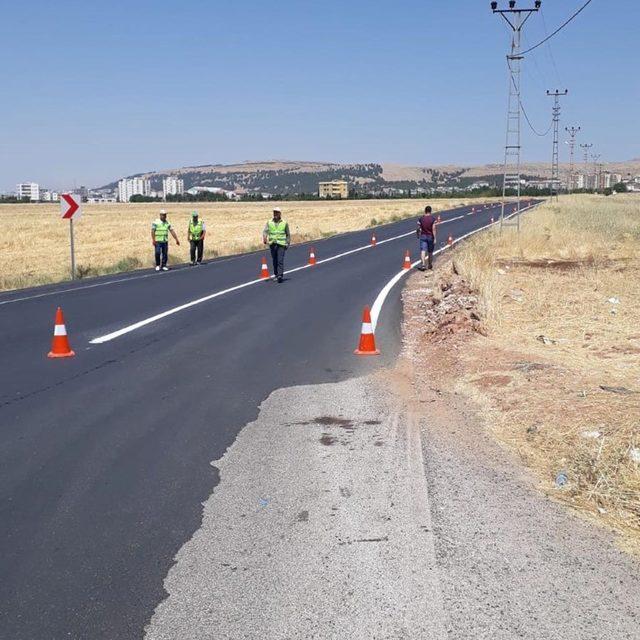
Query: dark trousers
[277,255]
[196,246]
[162,253]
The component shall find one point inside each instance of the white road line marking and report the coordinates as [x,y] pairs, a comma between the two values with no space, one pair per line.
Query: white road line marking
[376,307]
[155,275]
[169,312]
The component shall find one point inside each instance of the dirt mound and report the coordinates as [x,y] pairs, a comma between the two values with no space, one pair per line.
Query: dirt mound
[446,306]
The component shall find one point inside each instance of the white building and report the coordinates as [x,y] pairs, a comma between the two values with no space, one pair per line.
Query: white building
[128,187]
[49,196]
[172,186]
[194,191]
[29,190]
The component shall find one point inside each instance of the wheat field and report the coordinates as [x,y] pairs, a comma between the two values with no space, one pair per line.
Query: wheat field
[34,248]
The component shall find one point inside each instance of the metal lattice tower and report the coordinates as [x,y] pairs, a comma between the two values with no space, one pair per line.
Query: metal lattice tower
[596,174]
[555,164]
[573,131]
[516,19]
[585,148]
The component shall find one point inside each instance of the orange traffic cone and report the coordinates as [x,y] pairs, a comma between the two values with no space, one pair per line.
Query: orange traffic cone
[450,240]
[407,261]
[373,240]
[367,346]
[312,256]
[60,347]
[264,272]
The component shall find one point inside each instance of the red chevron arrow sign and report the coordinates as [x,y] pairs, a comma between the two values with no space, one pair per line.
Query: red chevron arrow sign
[70,206]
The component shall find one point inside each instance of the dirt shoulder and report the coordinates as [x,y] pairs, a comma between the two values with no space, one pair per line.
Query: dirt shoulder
[548,367]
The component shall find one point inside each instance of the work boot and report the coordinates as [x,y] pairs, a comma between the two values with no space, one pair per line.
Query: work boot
[158,268]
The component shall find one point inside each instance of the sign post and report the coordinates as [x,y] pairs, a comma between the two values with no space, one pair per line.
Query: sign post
[70,208]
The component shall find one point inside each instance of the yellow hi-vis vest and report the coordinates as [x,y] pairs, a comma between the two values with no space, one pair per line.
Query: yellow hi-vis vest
[277,232]
[161,231]
[195,230]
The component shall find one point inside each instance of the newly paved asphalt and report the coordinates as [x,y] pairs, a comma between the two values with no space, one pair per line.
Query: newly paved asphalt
[105,457]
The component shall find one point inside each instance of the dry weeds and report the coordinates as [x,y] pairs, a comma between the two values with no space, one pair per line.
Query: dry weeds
[559,374]
[34,248]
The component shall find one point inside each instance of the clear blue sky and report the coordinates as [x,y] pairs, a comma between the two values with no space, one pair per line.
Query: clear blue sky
[93,91]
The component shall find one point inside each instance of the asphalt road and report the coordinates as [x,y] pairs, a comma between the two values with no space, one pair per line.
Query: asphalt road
[105,457]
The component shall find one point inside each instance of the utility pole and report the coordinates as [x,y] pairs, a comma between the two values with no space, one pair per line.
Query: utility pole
[596,177]
[516,19]
[585,148]
[555,165]
[573,131]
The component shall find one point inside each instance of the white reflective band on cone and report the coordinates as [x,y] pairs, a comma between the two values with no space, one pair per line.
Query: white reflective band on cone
[367,328]
[59,330]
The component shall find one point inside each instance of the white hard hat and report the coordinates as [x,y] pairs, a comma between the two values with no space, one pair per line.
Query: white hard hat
[163,211]
[277,210]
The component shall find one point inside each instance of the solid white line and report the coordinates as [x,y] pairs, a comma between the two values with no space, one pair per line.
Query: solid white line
[376,307]
[169,312]
[132,278]
[142,323]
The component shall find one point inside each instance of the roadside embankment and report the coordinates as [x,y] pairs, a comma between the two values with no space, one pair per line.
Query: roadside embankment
[111,238]
[541,332]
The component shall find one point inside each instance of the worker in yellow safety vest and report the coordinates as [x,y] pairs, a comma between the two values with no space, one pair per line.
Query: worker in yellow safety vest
[276,235]
[160,230]
[196,234]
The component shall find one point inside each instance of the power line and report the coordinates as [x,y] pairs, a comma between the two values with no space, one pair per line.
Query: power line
[524,111]
[526,117]
[553,60]
[562,26]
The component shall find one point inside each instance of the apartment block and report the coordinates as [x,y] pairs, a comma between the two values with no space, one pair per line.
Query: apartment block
[30,190]
[333,189]
[128,187]
[172,186]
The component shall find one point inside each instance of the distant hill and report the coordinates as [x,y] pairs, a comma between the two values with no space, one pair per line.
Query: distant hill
[291,177]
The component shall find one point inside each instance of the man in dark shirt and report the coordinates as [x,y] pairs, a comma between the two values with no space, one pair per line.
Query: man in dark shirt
[426,233]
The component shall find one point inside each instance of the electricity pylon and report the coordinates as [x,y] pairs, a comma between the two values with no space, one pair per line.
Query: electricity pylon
[555,165]
[573,131]
[516,19]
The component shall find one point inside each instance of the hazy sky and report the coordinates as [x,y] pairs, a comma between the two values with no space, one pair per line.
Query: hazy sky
[93,91]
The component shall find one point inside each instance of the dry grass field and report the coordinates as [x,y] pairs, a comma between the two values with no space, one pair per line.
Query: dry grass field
[558,372]
[34,248]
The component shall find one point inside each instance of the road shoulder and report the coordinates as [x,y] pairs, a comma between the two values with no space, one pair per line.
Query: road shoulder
[513,563]
[320,527]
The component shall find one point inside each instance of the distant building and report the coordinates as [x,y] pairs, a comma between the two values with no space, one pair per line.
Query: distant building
[172,186]
[128,187]
[99,199]
[333,189]
[49,196]
[30,190]
[194,191]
